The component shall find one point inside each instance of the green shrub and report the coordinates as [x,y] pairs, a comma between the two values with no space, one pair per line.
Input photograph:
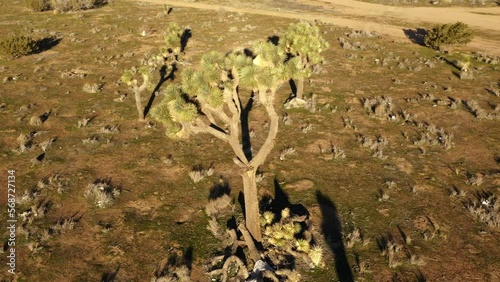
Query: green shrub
[448,34]
[15,46]
[37,5]
[73,5]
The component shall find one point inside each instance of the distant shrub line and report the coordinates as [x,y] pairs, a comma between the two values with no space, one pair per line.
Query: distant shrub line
[63,5]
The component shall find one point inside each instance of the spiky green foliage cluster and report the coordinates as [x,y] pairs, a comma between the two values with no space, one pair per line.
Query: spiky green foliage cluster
[207,83]
[213,84]
[270,67]
[282,233]
[162,111]
[173,37]
[15,46]
[287,235]
[448,34]
[303,40]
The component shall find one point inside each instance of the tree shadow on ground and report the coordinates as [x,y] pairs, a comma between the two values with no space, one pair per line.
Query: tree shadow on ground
[281,202]
[46,43]
[185,38]
[163,78]
[416,36]
[176,260]
[331,228]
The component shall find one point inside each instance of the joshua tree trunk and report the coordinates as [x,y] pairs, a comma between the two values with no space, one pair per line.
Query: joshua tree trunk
[138,104]
[252,216]
[299,83]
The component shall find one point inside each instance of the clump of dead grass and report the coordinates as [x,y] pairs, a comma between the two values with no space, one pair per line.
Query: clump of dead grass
[101,193]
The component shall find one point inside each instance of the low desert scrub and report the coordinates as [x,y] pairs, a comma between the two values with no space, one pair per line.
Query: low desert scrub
[287,120]
[37,5]
[474,179]
[382,195]
[356,237]
[54,182]
[332,152]
[109,129]
[348,124]
[102,194]
[38,209]
[25,143]
[14,46]
[433,136]
[36,121]
[306,128]
[91,140]
[375,145]
[216,206]
[199,173]
[62,5]
[62,225]
[83,122]
[45,145]
[479,112]
[495,90]
[456,191]
[168,160]
[380,107]
[448,34]
[286,152]
[361,266]
[486,208]
[432,230]
[391,250]
[173,268]
[92,88]
[75,73]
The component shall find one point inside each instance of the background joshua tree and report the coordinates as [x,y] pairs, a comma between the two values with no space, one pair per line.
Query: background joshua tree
[165,62]
[210,101]
[302,40]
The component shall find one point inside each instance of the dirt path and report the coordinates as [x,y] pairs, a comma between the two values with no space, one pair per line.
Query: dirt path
[378,17]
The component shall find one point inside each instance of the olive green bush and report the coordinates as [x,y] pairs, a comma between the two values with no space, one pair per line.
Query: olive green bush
[63,5]
[37,5]
[15,46]
[448,34]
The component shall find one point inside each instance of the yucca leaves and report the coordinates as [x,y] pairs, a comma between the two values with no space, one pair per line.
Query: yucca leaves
[304,40]
[182,111]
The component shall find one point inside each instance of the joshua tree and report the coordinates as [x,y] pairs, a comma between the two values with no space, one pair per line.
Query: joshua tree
[140,78]
[302,40]
[210,101]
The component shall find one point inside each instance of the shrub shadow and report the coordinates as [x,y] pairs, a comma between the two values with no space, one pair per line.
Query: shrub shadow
[46,43]
[331,228]
[110,276]
[416,36]
[219,189]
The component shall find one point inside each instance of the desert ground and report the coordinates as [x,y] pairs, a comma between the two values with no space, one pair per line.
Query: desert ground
[395,160]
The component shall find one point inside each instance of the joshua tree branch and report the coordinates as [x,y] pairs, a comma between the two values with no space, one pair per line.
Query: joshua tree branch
[254,254]
[268,145]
